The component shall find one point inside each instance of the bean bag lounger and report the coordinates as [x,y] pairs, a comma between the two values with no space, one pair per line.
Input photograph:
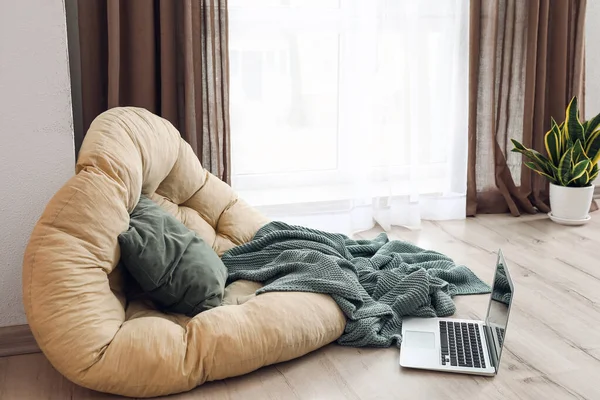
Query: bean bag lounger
[75,291]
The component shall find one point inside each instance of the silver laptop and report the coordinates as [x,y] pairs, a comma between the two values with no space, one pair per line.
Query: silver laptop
[461,345]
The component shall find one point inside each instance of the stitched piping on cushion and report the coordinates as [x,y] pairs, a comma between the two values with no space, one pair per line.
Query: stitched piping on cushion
[164,196]
[184,204]
[223,234]
[182,144]
[227,207]
[226,236]
[206,173]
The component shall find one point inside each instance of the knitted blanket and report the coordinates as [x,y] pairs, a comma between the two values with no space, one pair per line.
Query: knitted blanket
[374,282]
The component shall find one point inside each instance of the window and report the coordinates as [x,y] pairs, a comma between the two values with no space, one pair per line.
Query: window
[360,101]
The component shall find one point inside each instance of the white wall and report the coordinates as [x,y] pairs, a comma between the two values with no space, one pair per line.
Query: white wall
[36,131]
[592,62]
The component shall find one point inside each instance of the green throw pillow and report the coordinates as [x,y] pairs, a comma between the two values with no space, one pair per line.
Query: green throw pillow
[172,264]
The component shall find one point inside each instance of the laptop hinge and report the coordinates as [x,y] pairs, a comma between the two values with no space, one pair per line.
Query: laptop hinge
[489,337]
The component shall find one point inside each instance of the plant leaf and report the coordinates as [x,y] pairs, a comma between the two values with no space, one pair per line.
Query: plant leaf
[583,180]
[591,125]
[553,145]
[593,147]
[593,171]
[544,164]
[579,170]
[578,152]
[534,167]
[574,129]
[518,145]
[557,129]
[564,167]
[563,135]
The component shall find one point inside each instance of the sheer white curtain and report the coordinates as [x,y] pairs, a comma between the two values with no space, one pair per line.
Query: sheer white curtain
[347,113]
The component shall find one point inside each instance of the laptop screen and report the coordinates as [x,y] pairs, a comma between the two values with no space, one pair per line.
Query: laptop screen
[499,309]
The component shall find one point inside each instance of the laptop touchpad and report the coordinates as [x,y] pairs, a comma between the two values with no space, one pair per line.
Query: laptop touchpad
[421,340]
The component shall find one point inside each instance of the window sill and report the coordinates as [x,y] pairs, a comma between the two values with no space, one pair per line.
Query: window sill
[337,193]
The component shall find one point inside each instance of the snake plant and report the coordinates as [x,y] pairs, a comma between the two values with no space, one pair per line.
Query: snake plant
[573,150]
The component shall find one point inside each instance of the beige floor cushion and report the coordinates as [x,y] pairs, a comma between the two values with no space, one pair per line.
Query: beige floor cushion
[75,297]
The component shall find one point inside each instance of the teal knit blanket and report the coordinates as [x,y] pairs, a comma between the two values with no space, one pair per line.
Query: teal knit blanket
[374,282]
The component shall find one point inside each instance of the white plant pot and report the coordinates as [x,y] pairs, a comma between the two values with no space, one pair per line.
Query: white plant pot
[571,203]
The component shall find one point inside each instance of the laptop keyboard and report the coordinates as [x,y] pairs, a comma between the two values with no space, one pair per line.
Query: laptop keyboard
[500,334]
[461,345]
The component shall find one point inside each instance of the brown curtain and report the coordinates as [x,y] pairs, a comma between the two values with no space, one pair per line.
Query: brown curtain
[526,62]
[168,56]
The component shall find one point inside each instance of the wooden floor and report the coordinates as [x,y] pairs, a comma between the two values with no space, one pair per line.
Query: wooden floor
[552,344]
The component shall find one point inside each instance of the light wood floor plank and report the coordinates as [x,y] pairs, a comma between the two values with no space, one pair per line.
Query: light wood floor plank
[552,345]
